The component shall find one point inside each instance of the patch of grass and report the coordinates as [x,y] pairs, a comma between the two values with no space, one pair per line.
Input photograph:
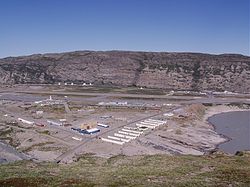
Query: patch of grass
[6,132]
[49,148]
[7,135]
[149,99]
[178,131]
[150,170]
[45,132]
[184,125]
[146,91]
[57,109]
[75,108]
[34,146]
[36,182]
[92,89]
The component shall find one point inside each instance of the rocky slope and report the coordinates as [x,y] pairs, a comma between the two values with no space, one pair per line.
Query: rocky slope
[189,71]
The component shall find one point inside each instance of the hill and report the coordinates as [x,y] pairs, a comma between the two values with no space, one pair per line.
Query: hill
[173,71]
[157,170]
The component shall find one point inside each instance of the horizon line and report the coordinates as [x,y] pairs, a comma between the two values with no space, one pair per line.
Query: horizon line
[123,50]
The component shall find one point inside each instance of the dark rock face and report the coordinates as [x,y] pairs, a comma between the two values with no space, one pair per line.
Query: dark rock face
[186,71]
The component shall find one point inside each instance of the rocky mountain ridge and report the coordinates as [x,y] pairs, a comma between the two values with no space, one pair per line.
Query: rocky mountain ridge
[175,71]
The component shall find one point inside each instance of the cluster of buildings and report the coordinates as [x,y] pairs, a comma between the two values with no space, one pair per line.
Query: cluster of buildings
[113,103]
[72,84]
[49,101]
[126,134]
[90,128]
[86,131]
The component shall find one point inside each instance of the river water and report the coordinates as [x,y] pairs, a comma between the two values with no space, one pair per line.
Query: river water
[236,127]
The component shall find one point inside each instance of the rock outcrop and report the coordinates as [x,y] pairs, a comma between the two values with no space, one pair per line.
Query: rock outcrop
[175,71]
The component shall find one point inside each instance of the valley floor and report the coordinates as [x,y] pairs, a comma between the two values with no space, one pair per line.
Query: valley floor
[182,152]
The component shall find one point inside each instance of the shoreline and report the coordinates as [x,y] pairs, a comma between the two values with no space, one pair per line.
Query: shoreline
[216,110]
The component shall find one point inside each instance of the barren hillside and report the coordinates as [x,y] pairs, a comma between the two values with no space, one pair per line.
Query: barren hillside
[189,71]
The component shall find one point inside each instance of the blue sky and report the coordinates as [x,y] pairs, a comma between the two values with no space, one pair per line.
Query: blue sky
[40,26]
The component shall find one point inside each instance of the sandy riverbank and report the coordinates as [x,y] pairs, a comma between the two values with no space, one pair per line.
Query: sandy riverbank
[211,111]
[220,109]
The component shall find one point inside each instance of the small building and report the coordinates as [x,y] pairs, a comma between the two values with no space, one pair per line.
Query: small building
[76,138]
[26,121]
[39,125]
[93,131]
[54,123]
[106,117]
[39,112]
[170,114]
[89,127]
[63,120]
[103,125]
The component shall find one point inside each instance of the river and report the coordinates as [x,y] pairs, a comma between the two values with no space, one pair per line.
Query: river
[236,127]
